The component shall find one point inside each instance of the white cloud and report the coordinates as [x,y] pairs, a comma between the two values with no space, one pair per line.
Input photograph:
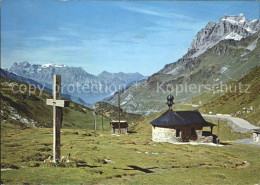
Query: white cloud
[153,12]
[47,38]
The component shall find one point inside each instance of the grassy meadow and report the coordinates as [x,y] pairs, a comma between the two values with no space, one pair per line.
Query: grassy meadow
[103,158]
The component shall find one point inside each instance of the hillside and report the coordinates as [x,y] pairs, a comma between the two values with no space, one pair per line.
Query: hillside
[29,81]
[101,158]
[31,110]
[242,103]
[227,60]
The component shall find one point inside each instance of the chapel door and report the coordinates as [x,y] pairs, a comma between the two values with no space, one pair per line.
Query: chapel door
[194,136]
[185,136]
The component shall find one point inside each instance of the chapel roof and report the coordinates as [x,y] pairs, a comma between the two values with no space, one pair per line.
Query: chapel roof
[180,118]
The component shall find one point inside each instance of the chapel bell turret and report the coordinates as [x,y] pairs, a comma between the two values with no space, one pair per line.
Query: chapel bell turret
[170,99]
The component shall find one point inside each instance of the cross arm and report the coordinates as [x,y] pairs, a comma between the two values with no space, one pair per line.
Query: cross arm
[58,103]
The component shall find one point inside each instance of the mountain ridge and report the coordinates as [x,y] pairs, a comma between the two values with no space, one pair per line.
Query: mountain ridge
[96,87]
[212,34]
[228,27]
[228,59]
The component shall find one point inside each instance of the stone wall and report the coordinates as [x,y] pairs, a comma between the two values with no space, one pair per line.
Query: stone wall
[162,134]
[256,137]
[203,139]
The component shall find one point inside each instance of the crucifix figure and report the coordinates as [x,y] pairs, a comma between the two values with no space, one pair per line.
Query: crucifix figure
[57,104]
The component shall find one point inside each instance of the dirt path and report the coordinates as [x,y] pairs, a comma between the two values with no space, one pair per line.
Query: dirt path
[248,141]
[237,124]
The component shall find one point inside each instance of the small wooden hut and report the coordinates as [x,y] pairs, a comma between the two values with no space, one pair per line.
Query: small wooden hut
[115,126]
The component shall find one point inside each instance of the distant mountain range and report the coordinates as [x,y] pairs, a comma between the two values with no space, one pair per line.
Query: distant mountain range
[15,77]
[24,109]
[220,52]
[76,81]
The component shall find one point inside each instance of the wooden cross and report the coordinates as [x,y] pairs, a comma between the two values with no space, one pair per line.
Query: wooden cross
[119,111]
[57,104]
[95,121]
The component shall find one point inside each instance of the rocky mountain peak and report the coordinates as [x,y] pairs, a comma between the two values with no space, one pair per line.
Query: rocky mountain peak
[104,73]
[15,64]
[234,19]
[233,27]
[25,64]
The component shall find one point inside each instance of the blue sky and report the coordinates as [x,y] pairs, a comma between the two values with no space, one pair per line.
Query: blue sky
[127,36]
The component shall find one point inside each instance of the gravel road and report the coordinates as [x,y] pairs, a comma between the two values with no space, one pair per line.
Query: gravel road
[237,124]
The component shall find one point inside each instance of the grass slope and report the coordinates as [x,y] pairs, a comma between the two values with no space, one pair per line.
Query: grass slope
[239,103]
[135,159]
[244,103]
[26,110]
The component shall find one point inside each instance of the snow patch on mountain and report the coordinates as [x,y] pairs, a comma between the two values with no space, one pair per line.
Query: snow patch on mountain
[240,19]
[252,46]
[123,103]
[233,36]
[174,71]
[223,70]
[53,65]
